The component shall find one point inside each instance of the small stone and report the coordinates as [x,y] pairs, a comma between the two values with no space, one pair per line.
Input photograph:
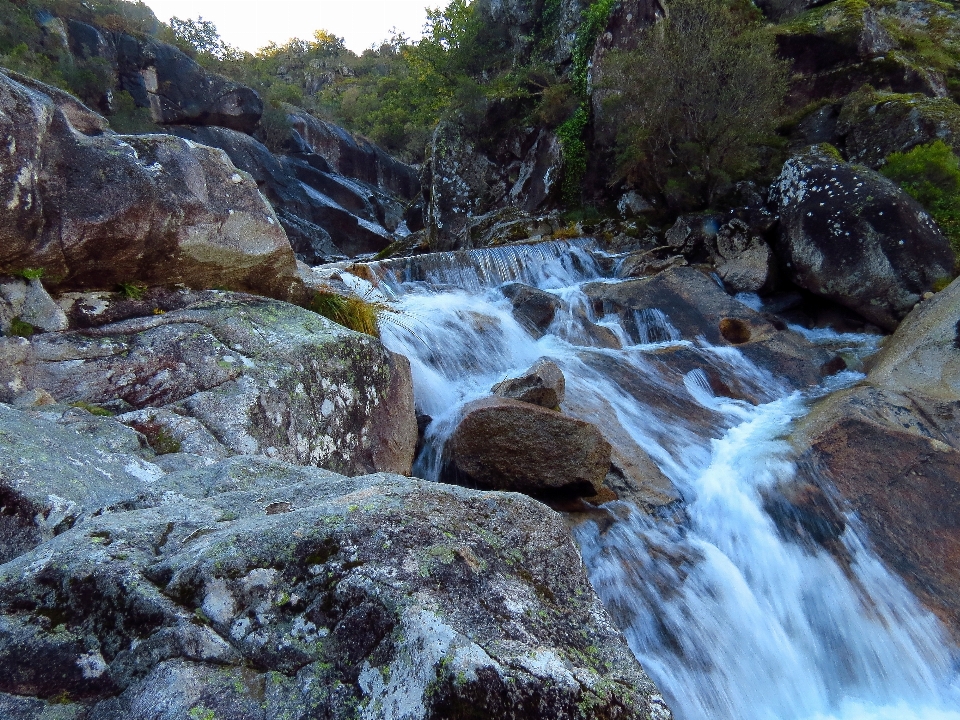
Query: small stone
[543,384]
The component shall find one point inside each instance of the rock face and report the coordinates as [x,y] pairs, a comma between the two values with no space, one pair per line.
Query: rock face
[262,377]
[181,214]
[326,216]
[510,445]
[852,236]
[876,124]
[892,449]
[255,589]
[543,385]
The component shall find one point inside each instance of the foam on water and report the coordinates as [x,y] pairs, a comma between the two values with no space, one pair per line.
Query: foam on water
[729,618]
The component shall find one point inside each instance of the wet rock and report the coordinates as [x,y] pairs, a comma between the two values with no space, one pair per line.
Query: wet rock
[153,209]
[261,376]
[891,447]
[533,308]
[366,592]
[542,384]
[850,235]
[508,225]
[877,124]
[683,303]
[649,262]
[510,445]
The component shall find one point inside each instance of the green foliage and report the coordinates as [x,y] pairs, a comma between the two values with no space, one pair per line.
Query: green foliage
[19,328]
[696,102]
[128,119]
[202,713]
[31,273]
[570,134]
[132,290]
[92,409]
[351,312]
[594,21]
[931,175]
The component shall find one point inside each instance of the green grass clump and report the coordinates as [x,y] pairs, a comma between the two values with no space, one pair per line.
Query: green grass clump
[31,273]
[132,291]
[92,409]
[19,328]
[351,312]
[931,175]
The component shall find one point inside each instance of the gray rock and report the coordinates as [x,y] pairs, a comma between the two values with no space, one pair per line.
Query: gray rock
[377,592]
[510,445]
[850,235]
[533,308]
[542,384]
[263,377]
[181,214]
[744,261]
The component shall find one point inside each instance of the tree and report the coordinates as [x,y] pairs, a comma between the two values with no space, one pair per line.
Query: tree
[696,101]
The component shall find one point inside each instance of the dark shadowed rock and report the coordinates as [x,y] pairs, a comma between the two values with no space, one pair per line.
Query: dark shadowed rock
[543,384]
[744,260]
[782,9]
[510,445]
[533,308]
[261,376]
[98,211]
[197,599]
[850,235]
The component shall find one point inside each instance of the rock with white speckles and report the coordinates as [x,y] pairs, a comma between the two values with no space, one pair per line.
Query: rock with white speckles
[96,211]
[261,377]
[375,597]
[854,237]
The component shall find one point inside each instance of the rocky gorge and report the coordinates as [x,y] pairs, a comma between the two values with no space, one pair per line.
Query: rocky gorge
[650,462]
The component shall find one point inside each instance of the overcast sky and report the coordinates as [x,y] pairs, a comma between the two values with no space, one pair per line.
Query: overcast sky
[251,24]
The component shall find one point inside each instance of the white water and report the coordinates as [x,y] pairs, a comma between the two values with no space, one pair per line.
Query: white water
[729,619]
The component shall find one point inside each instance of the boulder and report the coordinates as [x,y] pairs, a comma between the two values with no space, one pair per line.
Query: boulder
[510,445]
[891,447]
[178,90]
[542,384]
[744,261]
[263,377]
[876,124]
[693,235]
[850,235]
[533,308]
[255,589]
[155,209]
[28,302]
[648,262]
[684,304]
[81,118]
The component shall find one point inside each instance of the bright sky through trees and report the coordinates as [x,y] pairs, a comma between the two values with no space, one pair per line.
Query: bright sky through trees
[251,24]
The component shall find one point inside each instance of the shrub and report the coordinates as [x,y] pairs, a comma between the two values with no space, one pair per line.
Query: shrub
[695,104]
[931,175]
[128,119]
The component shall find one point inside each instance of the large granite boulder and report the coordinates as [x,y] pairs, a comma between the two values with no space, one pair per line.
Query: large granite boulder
[850,235]
[263,377]
[503,444]
[255,589]
[99,211]
[891,447]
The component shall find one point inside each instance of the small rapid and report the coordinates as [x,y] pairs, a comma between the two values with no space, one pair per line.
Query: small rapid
[729,618]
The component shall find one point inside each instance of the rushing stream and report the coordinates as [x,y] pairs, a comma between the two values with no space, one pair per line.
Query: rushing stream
[731,620]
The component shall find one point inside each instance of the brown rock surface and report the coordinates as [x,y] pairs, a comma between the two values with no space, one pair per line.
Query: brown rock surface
[509,445]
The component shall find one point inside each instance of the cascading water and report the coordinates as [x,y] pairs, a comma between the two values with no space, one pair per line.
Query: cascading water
[731,620]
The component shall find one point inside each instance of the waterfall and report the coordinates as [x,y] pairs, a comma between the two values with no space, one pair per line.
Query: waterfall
[729,618]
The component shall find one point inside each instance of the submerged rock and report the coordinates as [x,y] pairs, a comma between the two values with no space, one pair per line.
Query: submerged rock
[263,377]
[850,235]
[379,594]
[505,444]
[533,308]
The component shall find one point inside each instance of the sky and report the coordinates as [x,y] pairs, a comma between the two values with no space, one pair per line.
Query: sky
[251,24]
